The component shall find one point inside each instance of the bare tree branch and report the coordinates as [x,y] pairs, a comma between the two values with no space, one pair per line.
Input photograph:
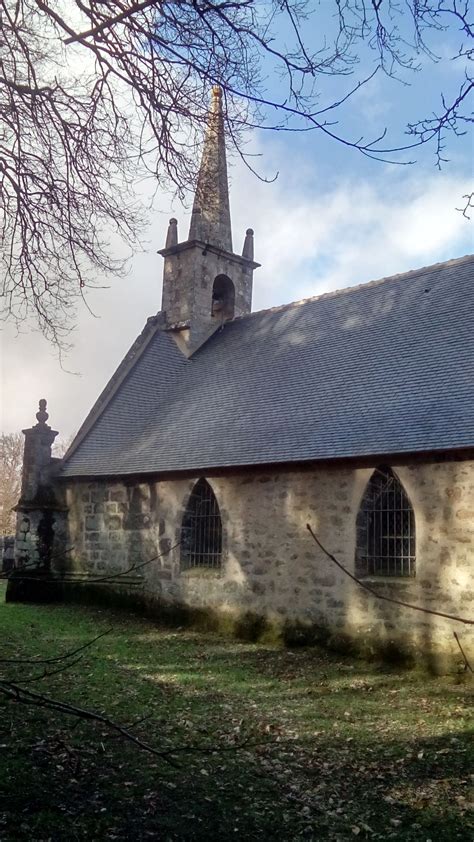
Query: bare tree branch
[93,580]
[16,693]
[372,591]
[66,655]
[469,205]
[21,695]
[466,662]
[96,96]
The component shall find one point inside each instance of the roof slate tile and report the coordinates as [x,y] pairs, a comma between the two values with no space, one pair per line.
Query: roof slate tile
[385,367]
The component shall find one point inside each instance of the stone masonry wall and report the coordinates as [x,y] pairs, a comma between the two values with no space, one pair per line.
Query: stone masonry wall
[271,566]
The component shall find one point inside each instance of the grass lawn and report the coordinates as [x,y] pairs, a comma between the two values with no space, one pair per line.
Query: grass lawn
[338,749]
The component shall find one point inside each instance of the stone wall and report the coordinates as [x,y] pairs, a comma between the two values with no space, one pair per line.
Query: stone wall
[271,565]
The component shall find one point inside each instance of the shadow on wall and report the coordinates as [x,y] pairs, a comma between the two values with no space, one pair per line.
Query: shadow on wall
[275,570]
[277,585]
[445,553]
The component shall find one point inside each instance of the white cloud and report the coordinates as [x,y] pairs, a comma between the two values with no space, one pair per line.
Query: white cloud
[354,233]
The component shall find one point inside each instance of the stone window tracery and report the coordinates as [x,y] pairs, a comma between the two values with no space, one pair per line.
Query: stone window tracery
[385,528]
[201,530]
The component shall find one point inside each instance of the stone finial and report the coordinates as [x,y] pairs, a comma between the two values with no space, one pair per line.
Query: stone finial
[172,235]
[210,218]
[42,416]
[247,250]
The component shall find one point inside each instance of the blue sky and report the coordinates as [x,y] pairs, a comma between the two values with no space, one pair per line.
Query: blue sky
[332,219]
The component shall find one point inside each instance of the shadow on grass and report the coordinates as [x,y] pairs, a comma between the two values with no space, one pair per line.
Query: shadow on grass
[97,790]
[343,749]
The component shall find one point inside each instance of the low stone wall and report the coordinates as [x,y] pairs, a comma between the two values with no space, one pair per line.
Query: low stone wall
[271,566]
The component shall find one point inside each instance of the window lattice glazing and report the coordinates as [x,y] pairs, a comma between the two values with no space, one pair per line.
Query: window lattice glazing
[201,531]
[385,528]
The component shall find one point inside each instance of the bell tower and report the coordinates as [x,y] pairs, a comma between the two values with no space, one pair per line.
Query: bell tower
[204,283]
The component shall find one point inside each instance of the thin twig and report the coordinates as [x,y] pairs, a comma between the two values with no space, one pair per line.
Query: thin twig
[16,693]
[93,580]
[382,596]
[466,662]
[19,694]
[48,673]
[55,660]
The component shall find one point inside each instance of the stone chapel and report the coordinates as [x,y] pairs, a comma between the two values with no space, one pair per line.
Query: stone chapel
[224,432]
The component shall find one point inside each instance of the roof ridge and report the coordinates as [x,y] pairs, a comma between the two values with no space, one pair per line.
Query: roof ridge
[334,292]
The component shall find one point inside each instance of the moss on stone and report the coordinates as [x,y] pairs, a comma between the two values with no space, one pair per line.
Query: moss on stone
[249,626]
[244,625]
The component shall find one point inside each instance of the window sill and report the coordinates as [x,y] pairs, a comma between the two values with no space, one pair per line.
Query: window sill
[201,573]
[374,580]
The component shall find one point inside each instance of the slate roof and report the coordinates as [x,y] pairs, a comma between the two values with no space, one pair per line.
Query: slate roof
[382,368]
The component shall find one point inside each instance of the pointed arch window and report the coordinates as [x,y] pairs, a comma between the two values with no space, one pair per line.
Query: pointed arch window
[385,528]
[201,530]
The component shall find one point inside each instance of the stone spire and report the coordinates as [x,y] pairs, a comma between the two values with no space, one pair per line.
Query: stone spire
[210,220]
[204,283]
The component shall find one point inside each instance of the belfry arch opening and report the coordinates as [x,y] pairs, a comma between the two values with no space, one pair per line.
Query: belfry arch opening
[223,298]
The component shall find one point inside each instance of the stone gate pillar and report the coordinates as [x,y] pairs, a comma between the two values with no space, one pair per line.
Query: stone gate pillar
[38,507]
